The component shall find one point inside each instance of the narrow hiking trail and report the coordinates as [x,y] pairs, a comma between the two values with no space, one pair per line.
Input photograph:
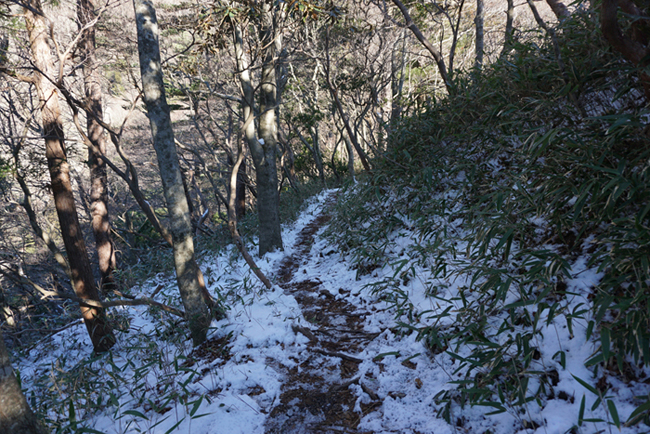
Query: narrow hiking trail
[316,395]
[326,350]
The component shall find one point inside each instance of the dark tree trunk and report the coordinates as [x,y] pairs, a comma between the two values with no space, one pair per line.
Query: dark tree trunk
[15,415]
[442,68]
[510,18]
[398,64]
[98,177]
[634,47]
[189,276]
[268,203]
[264,154]
[559,9]
[240,191]
[480,44]
[83,283]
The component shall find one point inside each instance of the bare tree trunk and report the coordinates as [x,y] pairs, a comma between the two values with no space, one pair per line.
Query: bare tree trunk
[98,177]
[339,106]
[268,203]
[425,42]
[633,46]
[348,147]
[508,34]
[480,44]
[240,191]
[398,64]
[190,279]
[559,9]
[83,283]
[263,151]
[232,220]
[15,415]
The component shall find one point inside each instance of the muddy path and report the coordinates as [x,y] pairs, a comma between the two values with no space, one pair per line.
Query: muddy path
[316,395]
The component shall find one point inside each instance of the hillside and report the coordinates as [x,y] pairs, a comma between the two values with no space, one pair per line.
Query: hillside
[486,273]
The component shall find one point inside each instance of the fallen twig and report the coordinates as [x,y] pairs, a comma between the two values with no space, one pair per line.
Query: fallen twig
[339,355]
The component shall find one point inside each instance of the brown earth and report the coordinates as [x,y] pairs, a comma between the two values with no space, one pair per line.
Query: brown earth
[315,397]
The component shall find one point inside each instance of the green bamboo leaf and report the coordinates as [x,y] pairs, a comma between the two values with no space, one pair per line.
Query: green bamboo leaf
[581,412]
[136,413]
[614,413]
[196,406]
[638,414]
[586,385]
[605,342]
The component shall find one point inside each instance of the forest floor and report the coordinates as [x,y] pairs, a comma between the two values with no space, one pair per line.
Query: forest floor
[320,352]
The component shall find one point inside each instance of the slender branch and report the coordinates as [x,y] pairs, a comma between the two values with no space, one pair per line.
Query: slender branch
[145,301]
[424,41]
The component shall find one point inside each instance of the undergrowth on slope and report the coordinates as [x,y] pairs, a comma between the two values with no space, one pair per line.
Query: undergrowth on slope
[513,191]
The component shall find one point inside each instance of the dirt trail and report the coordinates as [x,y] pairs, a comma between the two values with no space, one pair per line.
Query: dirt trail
[315,396]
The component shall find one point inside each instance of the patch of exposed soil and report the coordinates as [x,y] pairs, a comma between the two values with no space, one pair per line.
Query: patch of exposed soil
[316,396]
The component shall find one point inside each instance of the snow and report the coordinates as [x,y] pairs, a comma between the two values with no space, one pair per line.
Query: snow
[154,389]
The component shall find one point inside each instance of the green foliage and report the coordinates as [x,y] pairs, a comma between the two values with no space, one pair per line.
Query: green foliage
[507,187]
[5,174]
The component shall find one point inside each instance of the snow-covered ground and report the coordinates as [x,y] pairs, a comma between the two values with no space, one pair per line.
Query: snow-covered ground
[152,382]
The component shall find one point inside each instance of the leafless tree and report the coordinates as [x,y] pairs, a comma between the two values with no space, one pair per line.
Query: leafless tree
[15,414]
[86,12]
[45,77]
[190,279]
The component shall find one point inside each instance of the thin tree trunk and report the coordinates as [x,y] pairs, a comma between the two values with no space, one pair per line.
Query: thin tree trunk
[425,42]
[98,177]
[480,44]
[190,279]
[559,9]
[265,165]
[454,39]
[398,64]
[232,220]
[268,207]
[631,46]
[240,191]
[83,283]
[15,415]
[339,106]
[348,147]
[510,18]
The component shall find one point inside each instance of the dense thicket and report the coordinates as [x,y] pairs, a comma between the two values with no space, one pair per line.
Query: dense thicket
[542,169]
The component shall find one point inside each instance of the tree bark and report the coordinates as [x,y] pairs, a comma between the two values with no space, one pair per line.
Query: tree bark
[188,275]
[480,44]
[508,34]
[398,64]
[425,42]
[232,220]
[268,203]
[339,107]
[559,9]
[632,47]
[15,415]
[240,191]
[83,283]
[348,148]
[264,154]
[98,176]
